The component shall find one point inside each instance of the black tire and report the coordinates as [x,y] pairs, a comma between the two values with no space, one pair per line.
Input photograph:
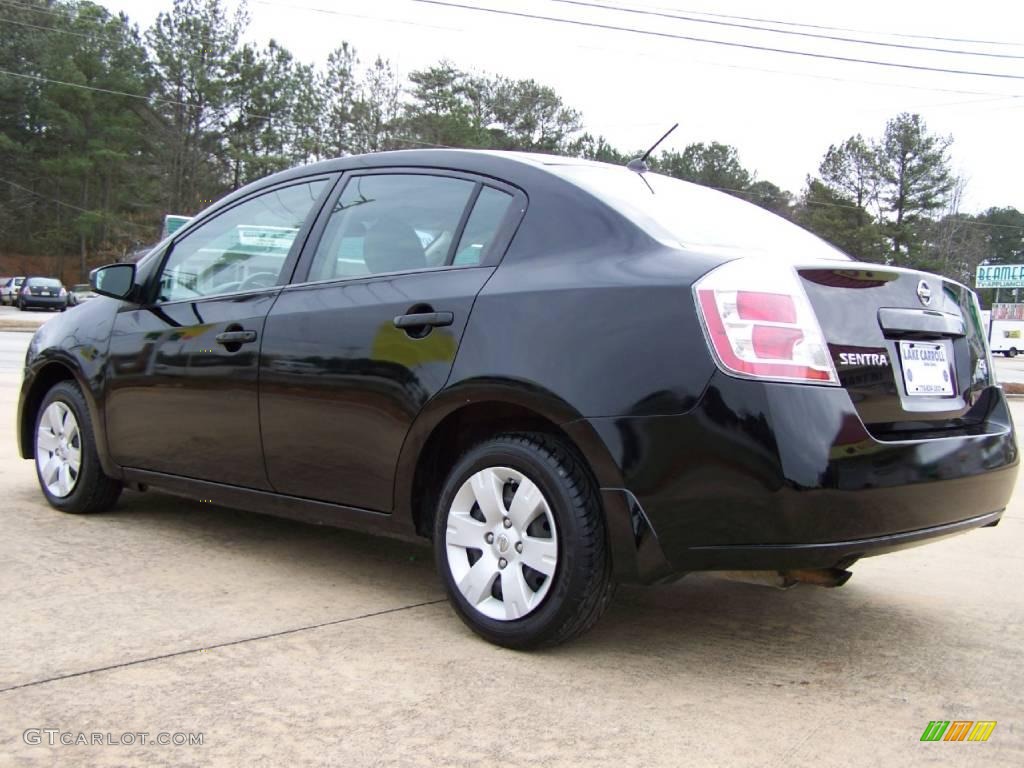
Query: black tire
[582,586]
[1012,352]
[93,491]
[21,305]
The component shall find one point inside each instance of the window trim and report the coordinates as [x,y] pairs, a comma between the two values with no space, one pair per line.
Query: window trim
[503,235]
[294,252]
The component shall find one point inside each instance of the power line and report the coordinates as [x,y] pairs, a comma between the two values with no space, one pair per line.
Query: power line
[816,35]
[332,12]
[40,9]
[709,41]
[852,29]
[71,205]
[112,92]
[28,7]
[51,29]
[790,73]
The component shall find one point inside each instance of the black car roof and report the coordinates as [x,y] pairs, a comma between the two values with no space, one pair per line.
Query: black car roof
[522,169]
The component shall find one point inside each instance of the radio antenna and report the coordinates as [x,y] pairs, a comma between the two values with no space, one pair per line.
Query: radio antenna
[639,164]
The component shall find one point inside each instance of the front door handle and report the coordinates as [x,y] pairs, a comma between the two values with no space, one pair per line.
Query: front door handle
[235,337]
[425,319]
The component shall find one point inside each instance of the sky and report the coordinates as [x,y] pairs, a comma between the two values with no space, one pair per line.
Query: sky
[781,111]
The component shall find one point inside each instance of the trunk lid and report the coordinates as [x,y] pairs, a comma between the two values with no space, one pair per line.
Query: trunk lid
[909,347]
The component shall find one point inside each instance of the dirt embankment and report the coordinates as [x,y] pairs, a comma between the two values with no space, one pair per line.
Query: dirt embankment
[47,266]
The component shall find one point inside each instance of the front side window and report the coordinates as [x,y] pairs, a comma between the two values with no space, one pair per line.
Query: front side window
[242,249]
[391,223]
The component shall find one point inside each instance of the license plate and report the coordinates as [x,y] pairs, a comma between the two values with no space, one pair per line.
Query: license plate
[926,369]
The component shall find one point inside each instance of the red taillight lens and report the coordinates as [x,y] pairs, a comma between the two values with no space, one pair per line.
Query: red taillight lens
[773,307]
[761,325]
[773,342]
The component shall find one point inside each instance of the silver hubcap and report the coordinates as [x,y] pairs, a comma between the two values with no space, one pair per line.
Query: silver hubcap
[58,449]
[502,544]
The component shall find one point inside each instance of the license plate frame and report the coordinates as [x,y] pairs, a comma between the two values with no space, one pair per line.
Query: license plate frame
[927,369]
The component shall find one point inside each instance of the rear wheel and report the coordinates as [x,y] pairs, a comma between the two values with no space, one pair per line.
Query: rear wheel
[67,464]
[1012,352]
[519,541]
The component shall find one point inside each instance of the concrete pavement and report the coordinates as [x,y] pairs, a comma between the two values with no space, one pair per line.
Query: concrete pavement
[287,644]
[1009,370]
[14,319]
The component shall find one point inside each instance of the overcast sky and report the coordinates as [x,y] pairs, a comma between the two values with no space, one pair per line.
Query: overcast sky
[781,111]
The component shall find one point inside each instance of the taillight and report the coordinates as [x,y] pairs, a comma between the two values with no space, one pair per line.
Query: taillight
[760,324]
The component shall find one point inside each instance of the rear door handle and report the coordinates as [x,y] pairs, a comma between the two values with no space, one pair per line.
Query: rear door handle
[235,337]
[424,319]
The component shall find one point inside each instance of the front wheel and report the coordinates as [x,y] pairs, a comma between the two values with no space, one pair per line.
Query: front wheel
[67,463]
[1012,352]
[519,541]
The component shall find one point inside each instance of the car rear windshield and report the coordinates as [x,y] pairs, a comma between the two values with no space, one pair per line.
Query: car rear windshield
[682,214]
[44,282]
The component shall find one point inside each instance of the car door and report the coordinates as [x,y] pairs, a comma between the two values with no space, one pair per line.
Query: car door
[353,351]
[182,378]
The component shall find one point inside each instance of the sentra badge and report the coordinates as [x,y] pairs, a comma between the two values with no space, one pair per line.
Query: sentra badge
[863,358]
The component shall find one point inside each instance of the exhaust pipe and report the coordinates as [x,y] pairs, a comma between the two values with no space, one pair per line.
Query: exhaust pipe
[819,577]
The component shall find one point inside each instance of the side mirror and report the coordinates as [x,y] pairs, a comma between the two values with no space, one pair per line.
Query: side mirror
[114,280]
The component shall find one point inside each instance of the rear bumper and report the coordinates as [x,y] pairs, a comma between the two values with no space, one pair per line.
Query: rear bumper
[776,476]
[48,302]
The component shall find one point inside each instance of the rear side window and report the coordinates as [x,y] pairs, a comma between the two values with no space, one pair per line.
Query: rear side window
[488,213]
[391,223]
[678,213]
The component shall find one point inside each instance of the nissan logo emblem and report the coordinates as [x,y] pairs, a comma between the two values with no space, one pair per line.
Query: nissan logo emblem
[924,293]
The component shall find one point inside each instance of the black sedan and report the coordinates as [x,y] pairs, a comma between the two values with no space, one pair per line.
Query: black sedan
[42,293]
[565,374]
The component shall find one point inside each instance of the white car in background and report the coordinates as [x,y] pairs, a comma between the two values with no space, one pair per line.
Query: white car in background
[9,290]
[79,293]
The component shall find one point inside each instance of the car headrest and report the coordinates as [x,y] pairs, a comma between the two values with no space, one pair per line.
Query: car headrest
[391,245]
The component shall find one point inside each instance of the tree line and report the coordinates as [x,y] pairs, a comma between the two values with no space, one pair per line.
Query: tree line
[106,127]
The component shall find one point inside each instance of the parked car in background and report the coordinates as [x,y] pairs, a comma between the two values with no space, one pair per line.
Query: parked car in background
[9,290]
[80,293]
[43,293]
[565,374]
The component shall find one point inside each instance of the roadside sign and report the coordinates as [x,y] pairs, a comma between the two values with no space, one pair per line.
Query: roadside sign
[173,223]
[1008,311]
[999,276]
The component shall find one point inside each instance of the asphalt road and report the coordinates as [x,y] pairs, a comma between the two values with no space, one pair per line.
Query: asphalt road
[288,644]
